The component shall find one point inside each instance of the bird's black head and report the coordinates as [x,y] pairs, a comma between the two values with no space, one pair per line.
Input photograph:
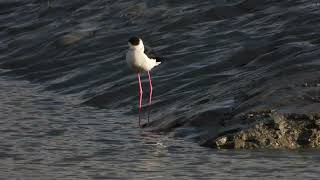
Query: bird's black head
[134,41]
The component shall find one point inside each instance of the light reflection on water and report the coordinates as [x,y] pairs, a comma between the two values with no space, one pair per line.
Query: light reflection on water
[45,136]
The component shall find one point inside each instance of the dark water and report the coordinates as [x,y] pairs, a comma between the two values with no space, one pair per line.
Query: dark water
[69,102]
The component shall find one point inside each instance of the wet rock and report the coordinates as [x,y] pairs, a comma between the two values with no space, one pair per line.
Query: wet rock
[279,131]
[225,142]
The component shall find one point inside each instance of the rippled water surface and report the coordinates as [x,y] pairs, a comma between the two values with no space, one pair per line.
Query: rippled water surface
[68,101]
[45,136]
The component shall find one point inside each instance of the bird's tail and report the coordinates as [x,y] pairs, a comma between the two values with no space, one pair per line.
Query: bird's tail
[154,63]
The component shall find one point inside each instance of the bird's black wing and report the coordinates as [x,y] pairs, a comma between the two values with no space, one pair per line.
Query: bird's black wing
[152,54]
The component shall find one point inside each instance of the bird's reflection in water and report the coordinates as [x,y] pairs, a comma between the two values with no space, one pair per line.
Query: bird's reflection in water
[157,151]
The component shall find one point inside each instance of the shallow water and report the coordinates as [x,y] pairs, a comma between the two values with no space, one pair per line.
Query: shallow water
[45,136]
[69,101]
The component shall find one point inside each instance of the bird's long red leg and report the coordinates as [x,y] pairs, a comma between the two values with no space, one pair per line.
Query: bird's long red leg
[150,97]
[140,96]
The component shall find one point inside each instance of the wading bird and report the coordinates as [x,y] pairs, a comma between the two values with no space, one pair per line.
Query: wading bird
[139,62]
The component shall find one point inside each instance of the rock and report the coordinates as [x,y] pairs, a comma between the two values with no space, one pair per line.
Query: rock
[224,142]
[279,131]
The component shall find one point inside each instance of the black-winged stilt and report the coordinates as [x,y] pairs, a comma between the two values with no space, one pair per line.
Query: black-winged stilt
[140,62]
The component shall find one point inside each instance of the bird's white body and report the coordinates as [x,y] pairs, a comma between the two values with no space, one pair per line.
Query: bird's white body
[138,60]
